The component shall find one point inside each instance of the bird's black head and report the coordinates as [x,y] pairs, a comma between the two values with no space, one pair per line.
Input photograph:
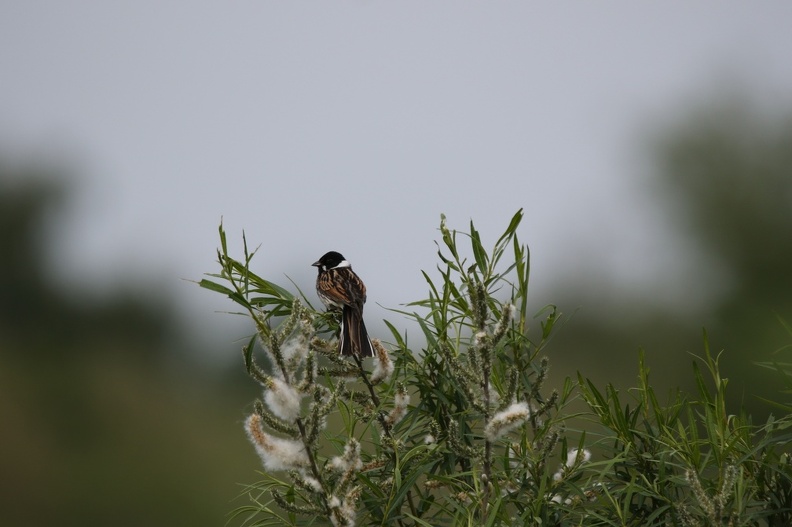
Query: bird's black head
[329,261]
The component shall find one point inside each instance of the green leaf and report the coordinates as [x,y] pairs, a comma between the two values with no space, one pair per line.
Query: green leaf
[400,342]
[513,224]
[213,286]
[247,353]
[479,253]
[493,512]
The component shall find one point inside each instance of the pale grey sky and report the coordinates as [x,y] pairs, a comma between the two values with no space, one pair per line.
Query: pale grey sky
[352,125]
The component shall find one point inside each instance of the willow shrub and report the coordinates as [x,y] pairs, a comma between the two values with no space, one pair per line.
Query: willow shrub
[464,431]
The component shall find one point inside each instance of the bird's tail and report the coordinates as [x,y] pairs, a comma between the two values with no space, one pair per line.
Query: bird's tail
[354,338]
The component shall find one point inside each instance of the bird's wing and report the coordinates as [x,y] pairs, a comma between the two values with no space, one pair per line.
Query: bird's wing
[343,286]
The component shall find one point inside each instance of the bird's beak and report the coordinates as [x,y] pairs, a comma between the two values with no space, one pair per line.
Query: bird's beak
[316,264]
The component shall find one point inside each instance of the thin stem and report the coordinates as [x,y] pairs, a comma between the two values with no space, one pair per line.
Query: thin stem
[386,427]
[364,376]
[487,443]
[314,466]
[286,378]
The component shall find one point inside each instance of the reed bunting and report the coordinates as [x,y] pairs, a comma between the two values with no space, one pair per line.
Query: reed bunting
[339,287]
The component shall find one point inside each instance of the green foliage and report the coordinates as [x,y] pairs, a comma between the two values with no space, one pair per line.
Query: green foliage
[478,376]
[98,427]
[783,370]
[689,461]
[464,431]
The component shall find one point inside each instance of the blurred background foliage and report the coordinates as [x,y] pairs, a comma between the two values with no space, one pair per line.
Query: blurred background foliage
[107,417]
[722,174]
[110,417]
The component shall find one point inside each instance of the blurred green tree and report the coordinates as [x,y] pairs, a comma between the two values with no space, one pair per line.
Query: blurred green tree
[33,310]
[99,428]
[729,168]
[723,174]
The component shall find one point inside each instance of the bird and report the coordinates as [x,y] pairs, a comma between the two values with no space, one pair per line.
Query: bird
[339,287]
